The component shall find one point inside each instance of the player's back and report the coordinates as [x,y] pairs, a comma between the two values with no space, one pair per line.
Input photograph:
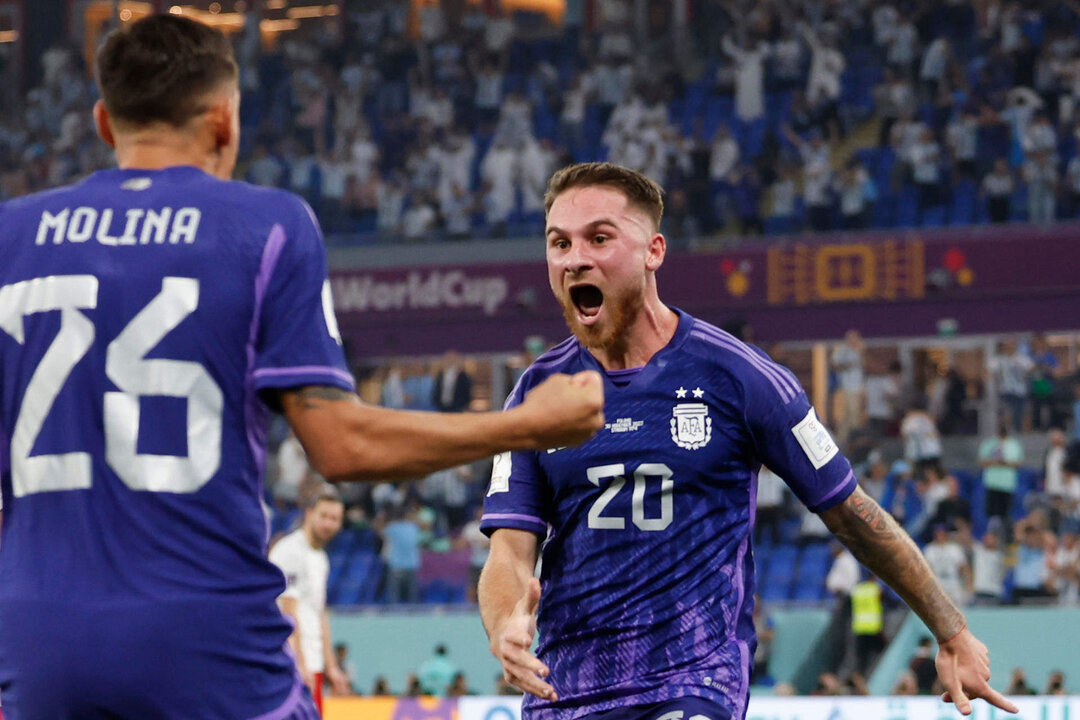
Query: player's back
[140,314]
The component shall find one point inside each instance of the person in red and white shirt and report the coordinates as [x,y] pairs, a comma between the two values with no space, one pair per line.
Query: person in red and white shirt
[301,556]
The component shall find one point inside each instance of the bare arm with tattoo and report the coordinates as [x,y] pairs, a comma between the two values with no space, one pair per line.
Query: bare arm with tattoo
[347,439]
[879,543]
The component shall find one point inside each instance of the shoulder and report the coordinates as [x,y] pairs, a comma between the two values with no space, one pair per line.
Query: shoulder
[287,548]
[560,358]
[749,367]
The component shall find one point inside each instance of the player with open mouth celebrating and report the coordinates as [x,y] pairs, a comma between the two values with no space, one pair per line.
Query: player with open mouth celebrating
[645,598]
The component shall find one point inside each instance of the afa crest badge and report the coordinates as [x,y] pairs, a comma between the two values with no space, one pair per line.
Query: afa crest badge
[691,426]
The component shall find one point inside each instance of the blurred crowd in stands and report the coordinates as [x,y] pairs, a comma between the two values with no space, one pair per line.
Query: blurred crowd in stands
[770,117]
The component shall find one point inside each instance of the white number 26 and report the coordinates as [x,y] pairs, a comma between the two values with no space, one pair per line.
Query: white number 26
[128,368]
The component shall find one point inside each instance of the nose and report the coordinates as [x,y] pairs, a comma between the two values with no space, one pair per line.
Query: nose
[577,259]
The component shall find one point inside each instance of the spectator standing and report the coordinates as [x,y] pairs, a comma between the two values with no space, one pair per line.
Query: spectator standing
[882,401]
[997,187]
[479,546]
[292,468]
[856,191]
[1000,456]
[949,563]
[847,362]
[962,139]
[437,672]
[1041,177]
[749,77]
[841,580]
[301,556]
[867,623]
[770,506]
[453,386]
[988,569]
[926,172]
[1066,569]
[922,441]
[401,553]
[1031,576]
[1044,372]
[1011,370]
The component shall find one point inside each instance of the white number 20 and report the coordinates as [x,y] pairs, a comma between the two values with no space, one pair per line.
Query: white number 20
[617,474]
[128,368]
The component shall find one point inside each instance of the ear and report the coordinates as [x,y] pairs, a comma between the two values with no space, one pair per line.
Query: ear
[221,120]
[103,124]
[655,252]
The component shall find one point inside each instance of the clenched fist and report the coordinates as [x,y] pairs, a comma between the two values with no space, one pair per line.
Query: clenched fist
[564,410]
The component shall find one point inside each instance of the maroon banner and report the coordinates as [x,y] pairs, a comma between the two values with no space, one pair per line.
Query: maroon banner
[990,279]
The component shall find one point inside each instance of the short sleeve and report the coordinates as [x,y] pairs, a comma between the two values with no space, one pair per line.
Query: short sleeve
[290,563]
[515,495]
[298,342]
[790,439]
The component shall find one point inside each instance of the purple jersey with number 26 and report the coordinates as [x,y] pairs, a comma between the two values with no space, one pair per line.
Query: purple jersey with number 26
[141,315]
[647,573]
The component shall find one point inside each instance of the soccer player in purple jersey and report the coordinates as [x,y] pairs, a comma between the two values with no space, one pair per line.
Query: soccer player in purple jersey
[150,318]
[644,605]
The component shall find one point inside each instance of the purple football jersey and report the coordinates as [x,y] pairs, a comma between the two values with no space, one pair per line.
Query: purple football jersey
[141,315]
[647,570]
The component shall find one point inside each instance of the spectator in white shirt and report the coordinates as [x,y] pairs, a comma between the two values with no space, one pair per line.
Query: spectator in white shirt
[997,188]
[856,191]
[1039,136]
[749,77]
[724,157]
[962,139]
[926,171]
[1066,569]
[934,63]
[847,362]
[390,205]
[882,400]
[1041,177]
[946,558]
[770,505]
[499,172]
[988,570]
[922,441]
[1010,369]
[904,47]
[418,222]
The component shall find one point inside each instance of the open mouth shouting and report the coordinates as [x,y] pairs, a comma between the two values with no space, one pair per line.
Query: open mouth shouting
[588,301]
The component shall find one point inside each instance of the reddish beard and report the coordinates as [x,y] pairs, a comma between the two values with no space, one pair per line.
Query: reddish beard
[611,335]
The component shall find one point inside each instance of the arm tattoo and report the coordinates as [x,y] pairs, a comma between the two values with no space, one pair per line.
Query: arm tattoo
[880,544]
[312,397]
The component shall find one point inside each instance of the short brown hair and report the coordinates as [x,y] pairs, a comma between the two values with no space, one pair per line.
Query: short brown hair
[640,191]
[160,68]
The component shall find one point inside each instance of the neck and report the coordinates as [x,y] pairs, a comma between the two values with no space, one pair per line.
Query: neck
[157,150]
[310,537]
[649,333]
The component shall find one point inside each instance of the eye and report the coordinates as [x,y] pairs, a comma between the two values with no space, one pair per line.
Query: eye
[560,243]
[600,239]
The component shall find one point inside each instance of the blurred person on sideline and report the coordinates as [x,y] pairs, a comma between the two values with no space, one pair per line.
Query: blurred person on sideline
[301,556]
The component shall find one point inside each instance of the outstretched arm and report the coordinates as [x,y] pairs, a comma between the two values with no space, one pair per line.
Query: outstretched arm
[347,439]
[509,600]
[880,544]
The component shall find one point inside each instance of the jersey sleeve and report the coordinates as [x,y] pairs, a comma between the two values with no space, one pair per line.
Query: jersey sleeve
[291,564]
[515,495]
[298,341]
[791,441]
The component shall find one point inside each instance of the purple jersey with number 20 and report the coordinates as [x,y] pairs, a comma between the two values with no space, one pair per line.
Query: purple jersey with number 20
[647,572]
